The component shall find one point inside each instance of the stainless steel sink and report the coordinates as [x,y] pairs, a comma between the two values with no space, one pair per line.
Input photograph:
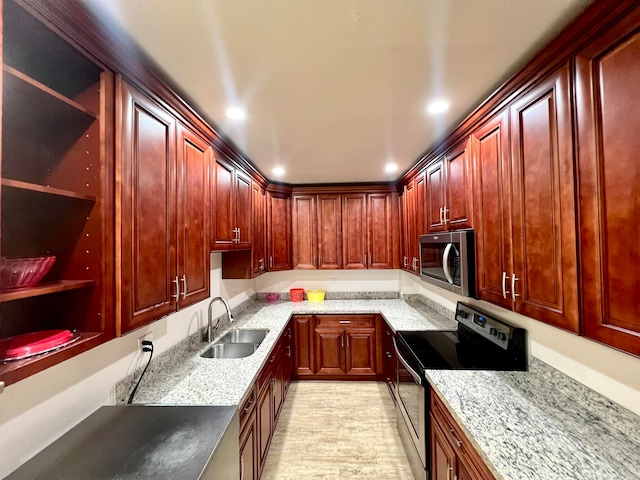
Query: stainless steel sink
[229,350]
[243,336]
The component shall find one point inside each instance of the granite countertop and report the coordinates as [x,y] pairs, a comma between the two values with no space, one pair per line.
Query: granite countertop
[537,425]
[541,424]
[192,380]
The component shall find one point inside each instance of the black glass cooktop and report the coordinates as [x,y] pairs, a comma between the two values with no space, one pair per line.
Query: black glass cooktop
[481,342]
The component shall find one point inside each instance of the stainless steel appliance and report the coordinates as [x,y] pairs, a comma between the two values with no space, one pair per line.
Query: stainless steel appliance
[481,342]
[447,260]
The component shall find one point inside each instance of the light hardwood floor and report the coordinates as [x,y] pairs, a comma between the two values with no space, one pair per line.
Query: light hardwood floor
[337,430]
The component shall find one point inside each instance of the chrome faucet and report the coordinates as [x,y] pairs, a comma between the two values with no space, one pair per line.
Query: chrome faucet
[210,328]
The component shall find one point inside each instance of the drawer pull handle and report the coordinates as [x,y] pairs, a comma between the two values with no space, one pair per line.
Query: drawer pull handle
[345,321]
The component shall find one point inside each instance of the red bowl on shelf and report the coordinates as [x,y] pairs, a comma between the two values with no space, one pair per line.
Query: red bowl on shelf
[23,272]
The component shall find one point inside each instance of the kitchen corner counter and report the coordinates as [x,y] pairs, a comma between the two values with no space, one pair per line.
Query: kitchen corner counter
[188,379]
[541,424]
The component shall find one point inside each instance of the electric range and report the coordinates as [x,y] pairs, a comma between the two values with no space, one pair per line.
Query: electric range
[480,342]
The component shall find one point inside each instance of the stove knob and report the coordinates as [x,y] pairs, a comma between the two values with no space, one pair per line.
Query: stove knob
[502,336]
[493,331]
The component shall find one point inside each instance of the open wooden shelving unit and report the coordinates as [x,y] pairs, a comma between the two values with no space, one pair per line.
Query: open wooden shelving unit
[55,187]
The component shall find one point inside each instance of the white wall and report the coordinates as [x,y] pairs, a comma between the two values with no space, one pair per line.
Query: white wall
[612,373]
[330,280]
[37,410]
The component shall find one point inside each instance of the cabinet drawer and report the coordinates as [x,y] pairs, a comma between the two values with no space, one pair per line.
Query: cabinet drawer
[345,321]
[244,412]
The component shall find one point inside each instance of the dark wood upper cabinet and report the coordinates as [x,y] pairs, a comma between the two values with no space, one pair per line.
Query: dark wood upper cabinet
[305,240]
[279,231]
[147,172]
[492,191]
[383,232]
[607,73]
[544,282]
[329,224]
[436,196]
[231,221]
[194,166]
[164,211]
[259,240]
[317,235]
[459,200]
[370,230]
[525,206]
[244,219]
[449,198]
[354,230]
[413,216]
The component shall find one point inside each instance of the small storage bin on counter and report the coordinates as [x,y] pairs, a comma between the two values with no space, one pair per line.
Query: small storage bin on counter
[315,295]
[297,294]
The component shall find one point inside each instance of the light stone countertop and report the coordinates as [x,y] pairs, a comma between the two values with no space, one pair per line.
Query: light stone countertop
[191,380]
[541,424]
[537,425]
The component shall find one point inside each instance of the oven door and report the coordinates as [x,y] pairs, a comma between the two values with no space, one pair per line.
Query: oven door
[411,412]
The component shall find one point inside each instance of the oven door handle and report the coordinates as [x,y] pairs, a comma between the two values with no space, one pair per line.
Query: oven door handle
[413,373]
[445,262]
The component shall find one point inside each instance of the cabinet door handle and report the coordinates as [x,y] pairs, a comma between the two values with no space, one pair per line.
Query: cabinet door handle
[236,235]
[319,260]
[177,284]
[364,259]
[504,285]
[247,408]
[514,279]
[270,262]
[241,469]
[441,221]
[261,262]
[405,264]
[184,285]
[288,351]
[449,468]
[370,260]
[347,335]
[444,215]
[342,339]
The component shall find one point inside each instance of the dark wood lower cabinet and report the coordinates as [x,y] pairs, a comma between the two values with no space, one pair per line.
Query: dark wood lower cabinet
[452,455]
[248,450]
[345,345]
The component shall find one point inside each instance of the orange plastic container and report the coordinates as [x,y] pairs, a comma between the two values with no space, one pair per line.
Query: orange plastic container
[297,294]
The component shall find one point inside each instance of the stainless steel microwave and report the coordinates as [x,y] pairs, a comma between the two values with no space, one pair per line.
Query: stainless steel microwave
[448,261]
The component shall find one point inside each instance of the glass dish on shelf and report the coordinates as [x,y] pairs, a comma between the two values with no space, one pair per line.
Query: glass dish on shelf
[23,272]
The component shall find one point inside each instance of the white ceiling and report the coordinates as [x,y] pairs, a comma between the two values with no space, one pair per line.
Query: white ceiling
[335,89]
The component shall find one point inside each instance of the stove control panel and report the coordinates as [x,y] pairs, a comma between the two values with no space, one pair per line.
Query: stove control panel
[491,328]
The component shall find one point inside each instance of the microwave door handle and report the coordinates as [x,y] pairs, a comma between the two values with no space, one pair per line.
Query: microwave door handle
[445,261]
[413,373]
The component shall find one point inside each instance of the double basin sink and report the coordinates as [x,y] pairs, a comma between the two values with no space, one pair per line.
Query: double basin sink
[236,344]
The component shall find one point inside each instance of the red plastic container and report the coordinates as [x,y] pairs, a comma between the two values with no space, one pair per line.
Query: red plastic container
[297,294]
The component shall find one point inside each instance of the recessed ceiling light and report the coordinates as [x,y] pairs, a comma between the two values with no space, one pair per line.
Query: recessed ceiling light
[438,106]
[278,171]
[390,167]
[235,113]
